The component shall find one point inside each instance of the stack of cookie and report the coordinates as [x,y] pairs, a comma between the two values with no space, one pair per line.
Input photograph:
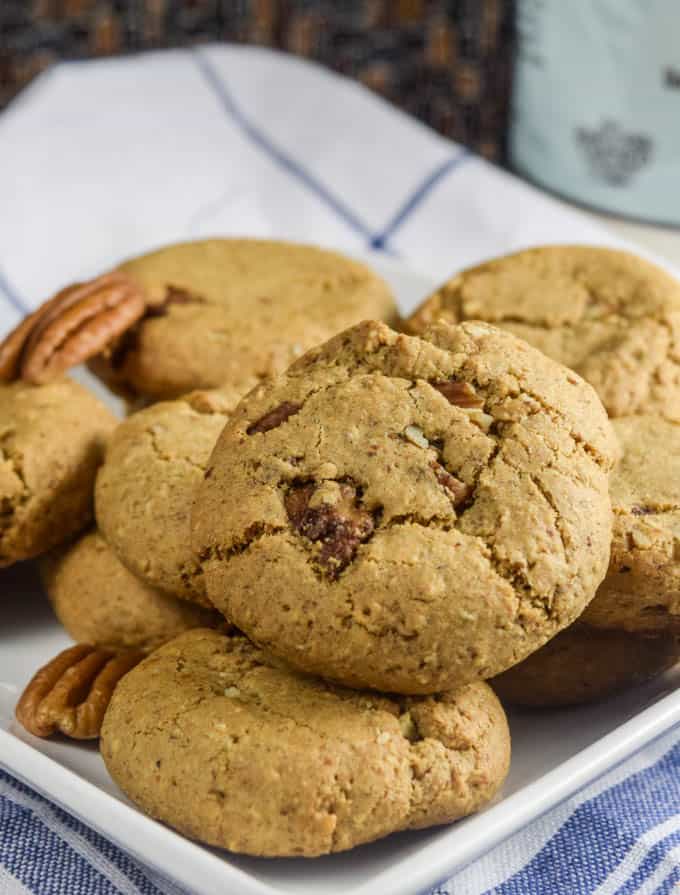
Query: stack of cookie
[615,319]
[327,535]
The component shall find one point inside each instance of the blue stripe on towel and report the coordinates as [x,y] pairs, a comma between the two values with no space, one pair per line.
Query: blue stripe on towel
[376,241]
[600,833]
[41,860]
[24,828]
[418,196]
[13,298]
[275,153]
[671,884]
[655,856]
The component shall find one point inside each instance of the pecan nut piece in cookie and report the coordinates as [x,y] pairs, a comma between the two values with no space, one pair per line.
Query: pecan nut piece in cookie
[71,693]
[338,525]
[75,325]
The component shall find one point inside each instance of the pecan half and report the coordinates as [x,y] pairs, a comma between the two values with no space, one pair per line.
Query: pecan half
[75,325]
[72,692]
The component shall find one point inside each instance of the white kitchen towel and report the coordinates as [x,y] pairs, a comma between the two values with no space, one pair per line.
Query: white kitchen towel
[103,160]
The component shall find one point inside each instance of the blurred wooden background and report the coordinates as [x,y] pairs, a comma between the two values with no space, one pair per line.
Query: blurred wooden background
[446,61]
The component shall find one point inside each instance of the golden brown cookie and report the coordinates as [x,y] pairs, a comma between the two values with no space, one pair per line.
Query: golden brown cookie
[51,443]
[409,514]
[211,736]
[235,311]
[154,461]
[584,664]
[609,315]
[99,602]
[641,592]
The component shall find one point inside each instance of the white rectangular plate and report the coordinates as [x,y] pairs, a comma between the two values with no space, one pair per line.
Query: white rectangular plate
[554,754]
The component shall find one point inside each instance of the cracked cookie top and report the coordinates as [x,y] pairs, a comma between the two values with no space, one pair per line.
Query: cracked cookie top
[154,461]
[213,737]
[409,514]
[236,311]
[641,592]
[609,315]
[51,442]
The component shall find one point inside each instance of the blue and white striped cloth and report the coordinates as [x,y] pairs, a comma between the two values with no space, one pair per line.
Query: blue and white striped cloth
[103,160]
[619,836]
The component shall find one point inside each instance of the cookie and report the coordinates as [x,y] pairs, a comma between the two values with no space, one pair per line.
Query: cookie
[408,514]
[235,311]
[584,664]
[641,592]
[154,461]
[51,442]
[609,315]
[215,739]
[99,602]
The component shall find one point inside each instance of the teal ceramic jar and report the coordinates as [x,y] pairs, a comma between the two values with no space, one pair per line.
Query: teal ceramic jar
[596,103]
